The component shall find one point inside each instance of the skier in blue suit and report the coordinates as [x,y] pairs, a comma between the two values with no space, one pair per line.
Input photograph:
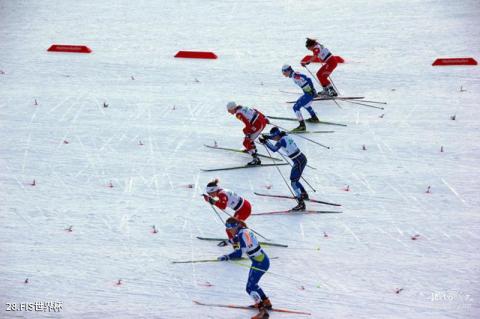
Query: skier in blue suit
[249,245]
[306,84]
[287,146]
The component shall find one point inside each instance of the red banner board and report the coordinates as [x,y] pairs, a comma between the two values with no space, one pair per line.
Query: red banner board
[69,48]
[454,61]
[196,55]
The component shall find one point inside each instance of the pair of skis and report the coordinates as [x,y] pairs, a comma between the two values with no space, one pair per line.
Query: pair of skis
[296,212]
[250,308]
[263,243]
[207,260]
[329,98]
[296,120]
[359,100]
[291,197]
[242,166]
[301,212]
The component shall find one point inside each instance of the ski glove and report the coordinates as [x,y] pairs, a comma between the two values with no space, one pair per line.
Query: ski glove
[262,140]
[209,199]
[305,63]
[222,258]
[223,243]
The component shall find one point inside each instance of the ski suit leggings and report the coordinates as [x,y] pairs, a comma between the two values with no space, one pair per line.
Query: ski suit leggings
[304,101]
[252,132]
[256,272]
[326,70]
[299,164]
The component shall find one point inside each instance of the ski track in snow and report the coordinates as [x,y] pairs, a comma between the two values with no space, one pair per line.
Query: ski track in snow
[147,141]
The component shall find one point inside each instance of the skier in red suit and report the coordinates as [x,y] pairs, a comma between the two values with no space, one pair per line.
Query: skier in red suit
[254,122]
[223,198]
[330,63]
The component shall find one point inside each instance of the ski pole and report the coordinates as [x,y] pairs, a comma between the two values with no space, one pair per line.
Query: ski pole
[206,260]
[305,138]
[314,168]
[329,78]
[334,86]
[344,100]
[374,102]
[363,104]
[216,213]
[321,85]
[313,189]
[241,264]
[195,261]
[280,172]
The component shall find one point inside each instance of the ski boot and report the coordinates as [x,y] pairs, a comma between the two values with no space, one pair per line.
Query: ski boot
[300,206]
[266,303]
[313,119]
[300,128]
[331,91]
[255,161]
[262,312]
[304,196]
[323,93]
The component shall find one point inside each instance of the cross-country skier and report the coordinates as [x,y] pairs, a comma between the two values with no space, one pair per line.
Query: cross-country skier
[330,63]
[260,263]
[306,84]
[223,198]
[254,122]
[287,146]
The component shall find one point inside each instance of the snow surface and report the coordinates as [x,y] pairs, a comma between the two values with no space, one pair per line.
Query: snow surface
[174,106]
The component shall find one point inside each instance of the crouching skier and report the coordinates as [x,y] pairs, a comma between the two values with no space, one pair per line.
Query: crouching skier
[287,146]
[306,84]
[223,198]
[260,263]
[254,122]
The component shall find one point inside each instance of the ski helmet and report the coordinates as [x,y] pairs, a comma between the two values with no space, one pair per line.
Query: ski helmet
[231,106]
[275,131]
[232,222]
[212,186]
[287,68]
[310,42]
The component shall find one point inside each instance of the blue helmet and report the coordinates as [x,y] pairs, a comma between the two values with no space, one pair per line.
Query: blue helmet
[232,222]
[275,131]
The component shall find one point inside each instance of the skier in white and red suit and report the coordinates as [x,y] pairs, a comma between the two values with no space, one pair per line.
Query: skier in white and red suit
[254,122]
[330,63]
[223,198]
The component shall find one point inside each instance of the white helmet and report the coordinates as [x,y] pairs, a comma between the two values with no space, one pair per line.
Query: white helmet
[231,106]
